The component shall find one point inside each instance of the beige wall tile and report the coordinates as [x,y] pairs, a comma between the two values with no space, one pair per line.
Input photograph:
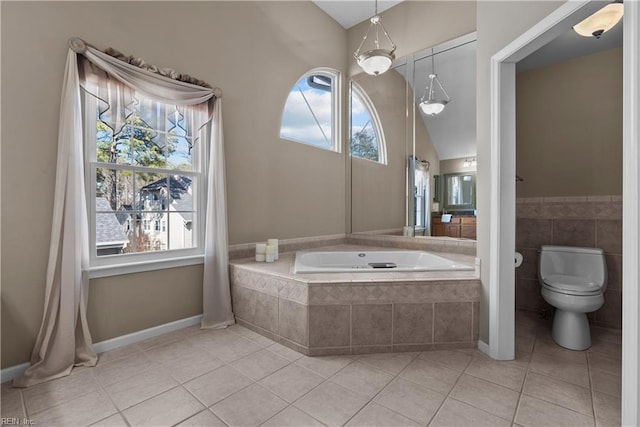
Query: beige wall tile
[412,323]
[609,235]
[452,322]
[329,325]
[293,322]
[533,233]
[371,324]
[267,312]
[610,314]
[244,303]
[574,232]
[614,272]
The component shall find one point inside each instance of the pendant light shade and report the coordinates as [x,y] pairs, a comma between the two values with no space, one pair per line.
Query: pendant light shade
[376,60]
[432,102]
[601,21]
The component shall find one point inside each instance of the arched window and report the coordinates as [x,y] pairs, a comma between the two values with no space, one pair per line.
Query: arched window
[310,115]
[366,139]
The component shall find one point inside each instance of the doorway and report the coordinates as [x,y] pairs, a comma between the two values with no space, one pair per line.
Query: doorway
[502,184]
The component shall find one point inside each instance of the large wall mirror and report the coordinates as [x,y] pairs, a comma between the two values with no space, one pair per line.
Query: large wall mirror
[405,164]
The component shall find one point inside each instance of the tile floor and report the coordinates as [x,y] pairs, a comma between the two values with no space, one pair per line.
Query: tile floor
[235,377]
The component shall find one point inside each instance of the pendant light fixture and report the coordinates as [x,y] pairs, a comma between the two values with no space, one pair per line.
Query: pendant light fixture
[601,21]
[377,60]
[430,103]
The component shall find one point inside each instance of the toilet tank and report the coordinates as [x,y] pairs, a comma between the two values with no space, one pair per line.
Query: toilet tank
[575,261]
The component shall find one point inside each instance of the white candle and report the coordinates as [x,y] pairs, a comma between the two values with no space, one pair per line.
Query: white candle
[274,243]
[271,253]
[261,250]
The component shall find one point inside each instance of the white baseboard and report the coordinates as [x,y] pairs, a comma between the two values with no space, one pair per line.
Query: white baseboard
[12,372]
[483,347]
[144,334]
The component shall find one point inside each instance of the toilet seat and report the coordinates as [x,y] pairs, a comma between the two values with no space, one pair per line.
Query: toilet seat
[571,285]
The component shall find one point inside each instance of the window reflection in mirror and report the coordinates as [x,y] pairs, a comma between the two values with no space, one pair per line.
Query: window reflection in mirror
[459,191]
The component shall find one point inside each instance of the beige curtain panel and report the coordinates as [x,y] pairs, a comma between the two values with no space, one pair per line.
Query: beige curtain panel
[64,340]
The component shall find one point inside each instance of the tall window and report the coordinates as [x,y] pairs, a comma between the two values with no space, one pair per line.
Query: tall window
[310,113]
[366,139]
[144,178]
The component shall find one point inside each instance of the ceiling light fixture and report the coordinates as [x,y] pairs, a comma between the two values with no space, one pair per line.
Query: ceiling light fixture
[429,103]
[601,21]
[377,60]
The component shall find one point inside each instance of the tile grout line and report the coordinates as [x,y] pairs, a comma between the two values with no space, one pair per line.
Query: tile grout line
[591,392]
[526,377]
[435,414]
[104,389]
[382,389]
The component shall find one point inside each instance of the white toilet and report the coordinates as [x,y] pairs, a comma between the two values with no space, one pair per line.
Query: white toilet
[573,281]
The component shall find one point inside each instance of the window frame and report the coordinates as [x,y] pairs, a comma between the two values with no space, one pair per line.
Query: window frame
[336,105]
[118,264]
[375,121]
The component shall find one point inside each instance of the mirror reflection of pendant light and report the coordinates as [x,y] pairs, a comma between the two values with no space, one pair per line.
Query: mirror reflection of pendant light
[430,104]
[601,21]
[377,60]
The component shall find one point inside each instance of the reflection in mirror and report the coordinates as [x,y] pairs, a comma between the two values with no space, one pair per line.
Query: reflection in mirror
[407,191]
[378,186]
[460,192]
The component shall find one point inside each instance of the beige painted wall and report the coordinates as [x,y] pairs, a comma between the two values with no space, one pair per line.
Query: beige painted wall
[498,24]
[569,127]
[254,51]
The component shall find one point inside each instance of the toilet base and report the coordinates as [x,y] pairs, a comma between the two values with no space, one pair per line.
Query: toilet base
[571,330]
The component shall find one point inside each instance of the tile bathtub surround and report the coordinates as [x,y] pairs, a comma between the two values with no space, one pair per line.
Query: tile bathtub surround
[433,244]
[570,221]
[355,313]
[275,386]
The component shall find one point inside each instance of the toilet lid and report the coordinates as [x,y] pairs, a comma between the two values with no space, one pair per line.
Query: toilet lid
[573,284]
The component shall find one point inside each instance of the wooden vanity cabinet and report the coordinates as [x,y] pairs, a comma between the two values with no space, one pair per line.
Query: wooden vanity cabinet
[461,226]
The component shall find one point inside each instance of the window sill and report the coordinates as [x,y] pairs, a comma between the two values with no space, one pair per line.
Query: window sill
[139,267]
